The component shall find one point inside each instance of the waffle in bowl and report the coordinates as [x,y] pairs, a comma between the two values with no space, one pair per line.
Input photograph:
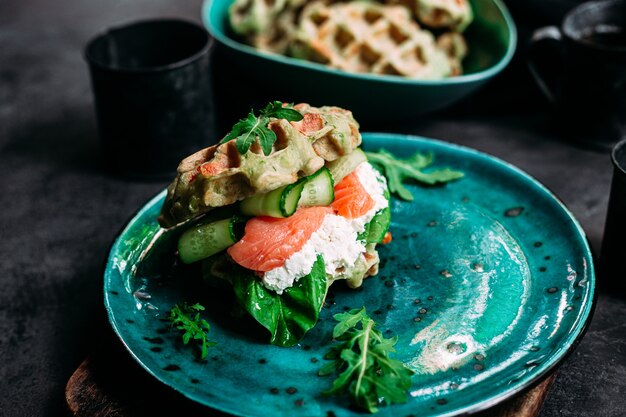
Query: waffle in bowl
[266,24]
[369,37]
[454,15]
[449,14]
[219,175]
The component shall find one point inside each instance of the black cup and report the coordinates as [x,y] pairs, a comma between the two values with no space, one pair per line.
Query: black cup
[613,255]
[152,91]
[581,68]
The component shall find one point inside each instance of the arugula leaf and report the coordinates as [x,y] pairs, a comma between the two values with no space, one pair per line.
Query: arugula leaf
[397,170]
[192,326]
[366,372]
[347,321]
[247,130]
[267,138]
[276,109]
[287,316]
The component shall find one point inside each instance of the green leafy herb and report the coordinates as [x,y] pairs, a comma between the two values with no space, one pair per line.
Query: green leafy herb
[247,130]
[397,170]
[366,372]
[186,318]
[375,230]
[287,316]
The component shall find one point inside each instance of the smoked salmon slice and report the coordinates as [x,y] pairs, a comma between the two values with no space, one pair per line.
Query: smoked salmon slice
[351,198]
[268,241]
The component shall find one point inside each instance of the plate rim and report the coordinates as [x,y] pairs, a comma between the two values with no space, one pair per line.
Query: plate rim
[572,341]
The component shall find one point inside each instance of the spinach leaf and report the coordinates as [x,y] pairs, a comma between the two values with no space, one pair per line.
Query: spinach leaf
[287,316]
[376,229]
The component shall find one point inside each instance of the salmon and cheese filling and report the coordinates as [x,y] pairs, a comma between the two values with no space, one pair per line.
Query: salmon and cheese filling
[282,251]
[337,237]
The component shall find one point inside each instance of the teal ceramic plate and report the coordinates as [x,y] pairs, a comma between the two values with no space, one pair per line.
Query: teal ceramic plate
[488,284]
[491,38]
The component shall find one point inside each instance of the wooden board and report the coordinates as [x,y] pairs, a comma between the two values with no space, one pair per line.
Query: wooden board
[110,384]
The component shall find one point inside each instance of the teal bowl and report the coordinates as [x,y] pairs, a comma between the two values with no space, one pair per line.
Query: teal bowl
[491,38]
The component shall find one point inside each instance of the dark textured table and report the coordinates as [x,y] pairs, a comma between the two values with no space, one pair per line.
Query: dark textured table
[61,210]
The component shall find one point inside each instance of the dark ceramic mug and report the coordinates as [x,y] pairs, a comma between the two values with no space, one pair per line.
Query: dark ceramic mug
[613,255]
[581,68]
[153,95]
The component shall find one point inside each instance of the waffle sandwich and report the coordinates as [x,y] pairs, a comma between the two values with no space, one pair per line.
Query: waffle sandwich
[281,227]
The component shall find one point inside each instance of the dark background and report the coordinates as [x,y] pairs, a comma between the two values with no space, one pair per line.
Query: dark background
[60,209]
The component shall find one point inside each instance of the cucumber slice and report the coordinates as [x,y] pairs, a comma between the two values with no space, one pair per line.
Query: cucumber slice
[206,239]
[319,189]
[281,202]
[341,167]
